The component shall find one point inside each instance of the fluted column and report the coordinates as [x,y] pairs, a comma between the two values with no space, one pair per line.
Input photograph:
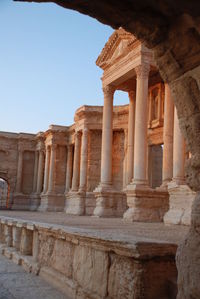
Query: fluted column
[178,153]
[19,171]
[84,160]
[131,128]
[107,136]
[35,172]
[76,166]
[40,171]
[52,168]
[46,170]
[167,171]
[140,144]
[69,167]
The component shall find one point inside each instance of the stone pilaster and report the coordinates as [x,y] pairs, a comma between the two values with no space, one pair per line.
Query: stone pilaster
[40,172]
[19,171]
[69,168]
[76,166]
[46,170]
[35,172]
[167,171]
[52,169]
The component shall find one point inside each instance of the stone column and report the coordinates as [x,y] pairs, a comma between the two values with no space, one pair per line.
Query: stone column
[40,171]
[167,171]
[19,172]
[140,144]
[69,168]
[35,172]
[131,128]
[107,136]
[76,166]
[46,170]
[178,153]
[84,161]
[125,175]
[52,168]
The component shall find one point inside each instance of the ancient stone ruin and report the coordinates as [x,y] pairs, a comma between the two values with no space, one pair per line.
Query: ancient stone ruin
[126,162]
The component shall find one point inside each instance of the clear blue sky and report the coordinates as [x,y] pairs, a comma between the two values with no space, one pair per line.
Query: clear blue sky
[47,65]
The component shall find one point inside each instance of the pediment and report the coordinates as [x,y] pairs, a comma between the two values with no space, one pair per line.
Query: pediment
[116,46]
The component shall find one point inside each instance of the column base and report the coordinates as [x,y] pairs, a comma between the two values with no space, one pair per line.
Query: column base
[109,202]
[146,204]
[21,202]
[75,203]
[181,198]
[52,202]
[35,202]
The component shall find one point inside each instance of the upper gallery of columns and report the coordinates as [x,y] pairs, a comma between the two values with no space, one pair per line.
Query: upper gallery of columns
[119,58]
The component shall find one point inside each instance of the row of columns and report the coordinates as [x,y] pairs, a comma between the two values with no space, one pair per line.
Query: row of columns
[79,178]
[38,171]
[76,166]
[136,164]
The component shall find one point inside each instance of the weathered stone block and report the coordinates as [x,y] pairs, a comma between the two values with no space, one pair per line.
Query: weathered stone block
[62,257]
[90,270]
[123,275]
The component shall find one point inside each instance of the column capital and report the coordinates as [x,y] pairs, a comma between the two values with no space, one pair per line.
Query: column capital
[132,95]
[85,130]
[108,90]
[142,71]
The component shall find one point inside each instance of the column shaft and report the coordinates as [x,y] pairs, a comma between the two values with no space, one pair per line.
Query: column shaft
[84,160]
[107,136]
[40,171]
[178,153]
[76,166]
[140,144]
[69,168]
[52,168]
[131,128]
[19,172]
[46,170]
[35,171]
[167,171]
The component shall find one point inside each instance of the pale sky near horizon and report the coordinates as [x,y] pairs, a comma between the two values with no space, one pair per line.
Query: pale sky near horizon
[47,65]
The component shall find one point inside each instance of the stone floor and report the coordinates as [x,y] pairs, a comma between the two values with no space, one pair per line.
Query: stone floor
[115,229]
[15,283]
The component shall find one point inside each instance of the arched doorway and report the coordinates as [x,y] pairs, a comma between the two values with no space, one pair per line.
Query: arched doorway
[4,194]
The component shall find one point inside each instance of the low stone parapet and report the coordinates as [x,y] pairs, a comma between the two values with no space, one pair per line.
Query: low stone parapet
[85,266]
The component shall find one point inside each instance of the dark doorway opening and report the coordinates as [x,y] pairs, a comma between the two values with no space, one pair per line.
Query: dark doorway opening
[155,165]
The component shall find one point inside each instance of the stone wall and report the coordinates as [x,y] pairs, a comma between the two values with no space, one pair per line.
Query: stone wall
[88,267]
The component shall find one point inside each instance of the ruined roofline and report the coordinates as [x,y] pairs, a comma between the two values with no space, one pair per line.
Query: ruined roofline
[17,135]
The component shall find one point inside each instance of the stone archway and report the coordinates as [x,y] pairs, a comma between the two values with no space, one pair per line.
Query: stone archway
[4,194]
[172,30]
